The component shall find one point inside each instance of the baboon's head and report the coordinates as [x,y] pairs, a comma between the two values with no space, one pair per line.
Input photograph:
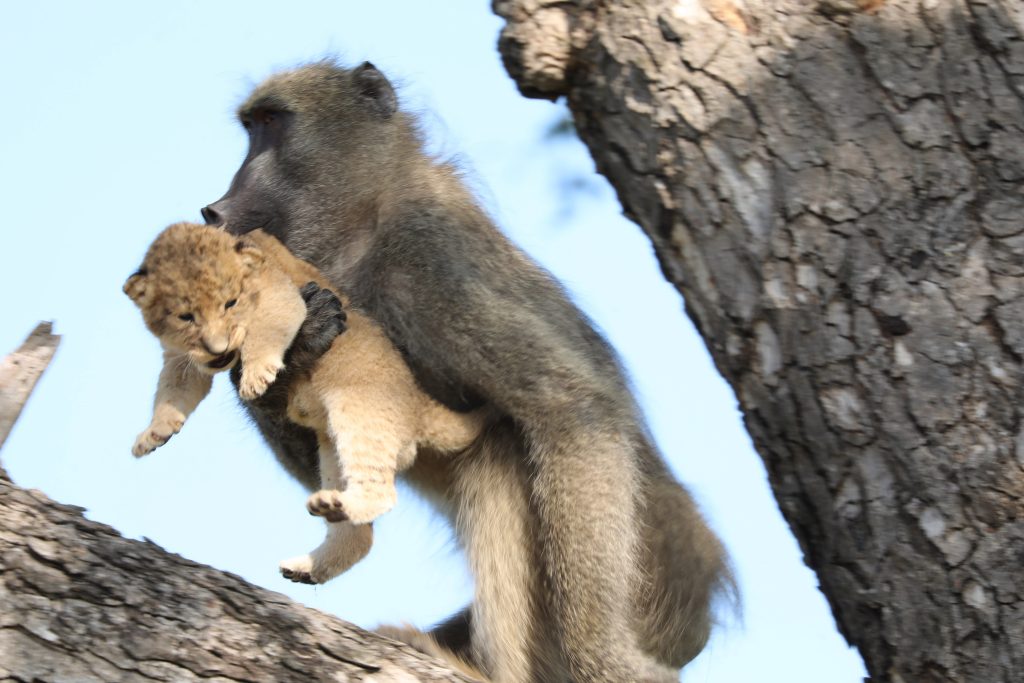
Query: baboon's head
[191,289]
[320,137]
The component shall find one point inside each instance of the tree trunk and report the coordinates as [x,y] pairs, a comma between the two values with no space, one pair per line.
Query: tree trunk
[835,188]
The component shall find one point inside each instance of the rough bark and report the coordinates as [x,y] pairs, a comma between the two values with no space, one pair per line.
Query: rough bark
[20,371]
[835,188]
[81,604]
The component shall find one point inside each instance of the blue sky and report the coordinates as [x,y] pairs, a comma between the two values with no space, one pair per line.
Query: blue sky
[118,120]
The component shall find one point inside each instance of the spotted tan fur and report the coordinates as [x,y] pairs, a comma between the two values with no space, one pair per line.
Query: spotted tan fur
[214,299]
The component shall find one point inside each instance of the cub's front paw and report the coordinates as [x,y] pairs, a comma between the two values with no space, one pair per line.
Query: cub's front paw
[256,377]
[298,569]
[155,435]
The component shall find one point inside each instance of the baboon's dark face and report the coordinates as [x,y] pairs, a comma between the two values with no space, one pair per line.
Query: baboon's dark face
[254,198]
[314,134]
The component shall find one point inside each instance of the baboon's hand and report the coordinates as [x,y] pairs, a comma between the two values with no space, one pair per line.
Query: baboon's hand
[325,320]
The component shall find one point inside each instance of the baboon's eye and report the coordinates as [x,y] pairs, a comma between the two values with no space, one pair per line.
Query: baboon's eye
[187,317]
[231,303]
[263,117]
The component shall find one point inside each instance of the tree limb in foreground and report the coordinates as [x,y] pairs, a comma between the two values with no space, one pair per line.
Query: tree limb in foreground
[80,603]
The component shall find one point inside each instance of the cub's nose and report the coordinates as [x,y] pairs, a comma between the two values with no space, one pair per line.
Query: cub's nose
[215,347]
[213,215]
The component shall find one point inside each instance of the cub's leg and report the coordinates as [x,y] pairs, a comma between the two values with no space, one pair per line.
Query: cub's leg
[278,316]
[346,543]
[370,431]
[180,389]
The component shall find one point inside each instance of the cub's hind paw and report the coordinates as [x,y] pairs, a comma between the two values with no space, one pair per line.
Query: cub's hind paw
[354,505]
[154,436]
[256,377]
[298,569]
[327,503]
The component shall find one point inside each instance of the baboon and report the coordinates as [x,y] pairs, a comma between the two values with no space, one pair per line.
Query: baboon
[591,563]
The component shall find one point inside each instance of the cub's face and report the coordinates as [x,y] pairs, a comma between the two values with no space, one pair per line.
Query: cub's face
[191,290]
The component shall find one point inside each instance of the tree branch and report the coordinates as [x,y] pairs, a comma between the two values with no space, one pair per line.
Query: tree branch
[20,371]
[80,603]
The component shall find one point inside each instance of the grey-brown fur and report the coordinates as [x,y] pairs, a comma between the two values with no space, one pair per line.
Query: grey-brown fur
[591,562]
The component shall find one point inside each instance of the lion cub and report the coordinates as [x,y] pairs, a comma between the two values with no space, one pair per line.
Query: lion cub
[214,300]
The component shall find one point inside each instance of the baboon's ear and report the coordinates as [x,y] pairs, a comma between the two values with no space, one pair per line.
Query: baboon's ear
[135,285]
[375,89]
[251,254]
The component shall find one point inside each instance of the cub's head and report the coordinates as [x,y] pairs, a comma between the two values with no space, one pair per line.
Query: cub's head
[191,289]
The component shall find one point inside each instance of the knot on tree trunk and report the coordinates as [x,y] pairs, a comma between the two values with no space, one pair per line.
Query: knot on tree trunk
[539,41]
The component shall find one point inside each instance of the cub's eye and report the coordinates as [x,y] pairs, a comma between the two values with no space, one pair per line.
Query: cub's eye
[246,123]
[187,317]
[231,303]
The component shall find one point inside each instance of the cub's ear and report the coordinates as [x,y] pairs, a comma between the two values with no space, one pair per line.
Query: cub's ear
[251,255]
[135,285]
[375,90]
